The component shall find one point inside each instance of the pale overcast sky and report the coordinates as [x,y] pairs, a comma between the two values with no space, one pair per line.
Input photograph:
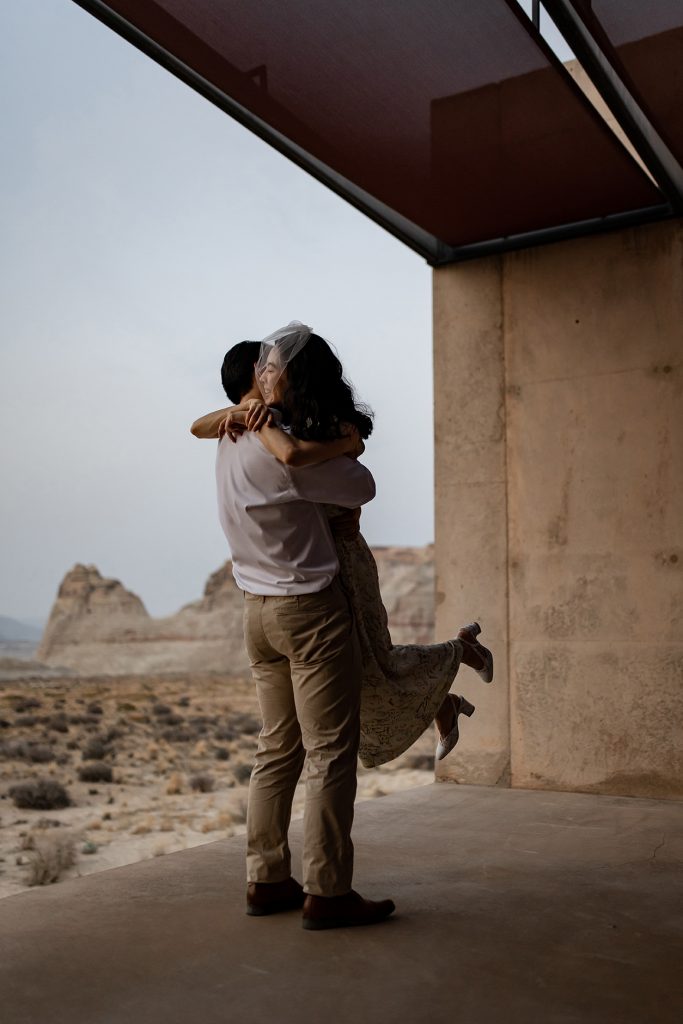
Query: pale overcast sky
[144,232]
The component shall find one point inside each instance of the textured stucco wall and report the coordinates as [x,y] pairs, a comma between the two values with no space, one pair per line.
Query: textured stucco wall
[471,533]
[590,339]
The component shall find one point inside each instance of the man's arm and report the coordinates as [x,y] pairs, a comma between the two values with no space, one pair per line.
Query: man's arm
[339,481]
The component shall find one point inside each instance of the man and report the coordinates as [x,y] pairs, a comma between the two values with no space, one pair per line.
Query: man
[305,663]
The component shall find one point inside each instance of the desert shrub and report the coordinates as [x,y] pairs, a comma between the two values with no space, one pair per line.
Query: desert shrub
[202,783]
[58,723]
[52,855]
[172,719]
[40,795]
[126,706]
[38,753]
[162,709]
[94,708]
[89,847]
[112,733]
[62,759]
[26,750]
[80,719]
[179,734]
[96,771]
[224,732]
[4,723]
[174,784]
[183,702]
[28,839]
[246,723]
[95,749]
[27,720]
[45,823]
[72,745]
[242,773]
[238,811]
[26,704]
[201,723]
[12,750]
[222,754]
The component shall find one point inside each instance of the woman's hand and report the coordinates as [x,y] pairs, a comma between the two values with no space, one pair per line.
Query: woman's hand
[249,415]
[257,414]
[233,425]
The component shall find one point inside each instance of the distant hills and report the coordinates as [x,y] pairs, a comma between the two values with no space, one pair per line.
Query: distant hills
[12,630]
[97,626]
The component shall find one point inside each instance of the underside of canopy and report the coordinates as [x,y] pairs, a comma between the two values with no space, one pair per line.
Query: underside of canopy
[450,123]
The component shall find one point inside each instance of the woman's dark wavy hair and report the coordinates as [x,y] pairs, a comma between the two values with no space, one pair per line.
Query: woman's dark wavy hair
[317,400]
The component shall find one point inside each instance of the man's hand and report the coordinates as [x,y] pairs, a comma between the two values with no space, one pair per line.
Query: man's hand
[346,525]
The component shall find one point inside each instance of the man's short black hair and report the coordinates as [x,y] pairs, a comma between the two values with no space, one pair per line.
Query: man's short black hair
[237,371]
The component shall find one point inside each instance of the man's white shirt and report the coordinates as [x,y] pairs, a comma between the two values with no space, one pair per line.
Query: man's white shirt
[272,517]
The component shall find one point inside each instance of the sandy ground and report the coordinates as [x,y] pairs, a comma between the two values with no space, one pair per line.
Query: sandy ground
[180,750]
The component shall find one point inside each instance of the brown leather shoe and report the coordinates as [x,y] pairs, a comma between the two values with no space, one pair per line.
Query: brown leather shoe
[274,897]
[344,911]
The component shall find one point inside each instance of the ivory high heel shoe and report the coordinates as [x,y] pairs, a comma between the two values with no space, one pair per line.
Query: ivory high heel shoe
[467,635]
[446,743]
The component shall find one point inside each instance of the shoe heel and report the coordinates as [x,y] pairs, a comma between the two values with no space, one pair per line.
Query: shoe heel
[473,629]
[466,708]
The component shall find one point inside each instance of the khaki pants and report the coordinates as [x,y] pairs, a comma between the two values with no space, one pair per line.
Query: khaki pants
[306,665]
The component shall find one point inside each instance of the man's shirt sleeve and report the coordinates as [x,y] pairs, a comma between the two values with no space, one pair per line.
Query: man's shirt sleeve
[341,481]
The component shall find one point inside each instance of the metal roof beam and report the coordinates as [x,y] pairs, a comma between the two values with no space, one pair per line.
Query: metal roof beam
[558,233]
[639,130]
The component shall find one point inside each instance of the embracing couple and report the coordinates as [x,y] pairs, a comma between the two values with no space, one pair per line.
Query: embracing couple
[330,683]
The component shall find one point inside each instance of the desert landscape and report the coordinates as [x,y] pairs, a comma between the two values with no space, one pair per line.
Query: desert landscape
[152,753]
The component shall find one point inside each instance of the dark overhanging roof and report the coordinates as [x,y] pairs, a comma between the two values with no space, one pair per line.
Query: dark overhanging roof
[450,123]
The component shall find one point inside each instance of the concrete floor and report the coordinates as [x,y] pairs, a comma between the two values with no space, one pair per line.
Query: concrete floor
[513,906]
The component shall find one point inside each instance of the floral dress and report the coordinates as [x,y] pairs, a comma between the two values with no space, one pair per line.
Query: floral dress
[403,685]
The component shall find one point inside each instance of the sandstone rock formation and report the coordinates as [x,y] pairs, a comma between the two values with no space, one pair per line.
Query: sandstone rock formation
[98,627]
[406,579]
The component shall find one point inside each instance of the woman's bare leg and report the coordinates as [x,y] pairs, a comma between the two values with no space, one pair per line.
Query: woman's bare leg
[445,716]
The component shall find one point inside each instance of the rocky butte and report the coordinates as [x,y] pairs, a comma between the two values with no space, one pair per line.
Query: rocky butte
[98,627]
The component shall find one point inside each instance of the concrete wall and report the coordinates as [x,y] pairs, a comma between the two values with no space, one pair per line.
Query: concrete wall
[559,509]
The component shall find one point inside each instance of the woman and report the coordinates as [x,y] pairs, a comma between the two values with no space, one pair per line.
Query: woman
[405,687]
